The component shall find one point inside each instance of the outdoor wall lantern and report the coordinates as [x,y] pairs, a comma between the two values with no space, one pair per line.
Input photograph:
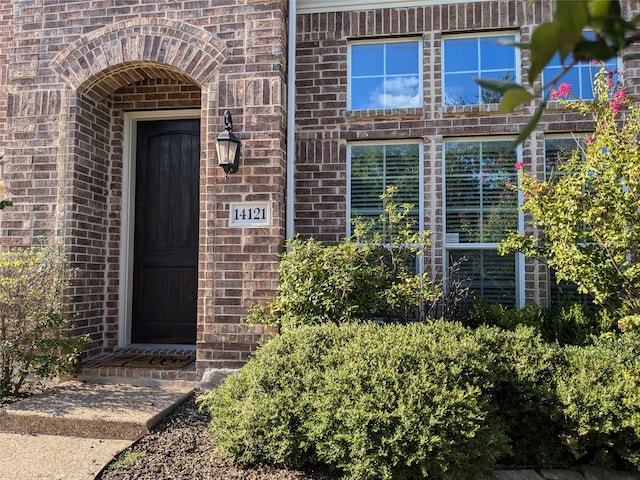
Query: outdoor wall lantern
[228,146]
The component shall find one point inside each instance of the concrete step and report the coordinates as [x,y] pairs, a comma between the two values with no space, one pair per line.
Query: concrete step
[102,411]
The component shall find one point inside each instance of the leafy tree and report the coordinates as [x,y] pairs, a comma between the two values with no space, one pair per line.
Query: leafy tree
[590,208]
[564,36]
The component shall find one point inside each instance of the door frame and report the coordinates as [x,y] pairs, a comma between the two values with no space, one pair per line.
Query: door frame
[127,215]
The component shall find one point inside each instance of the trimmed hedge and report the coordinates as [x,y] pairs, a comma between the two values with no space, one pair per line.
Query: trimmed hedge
[567,324]
[384,402]
[599,392]
[435,401]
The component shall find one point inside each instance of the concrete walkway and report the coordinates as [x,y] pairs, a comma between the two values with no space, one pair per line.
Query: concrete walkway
[73,430]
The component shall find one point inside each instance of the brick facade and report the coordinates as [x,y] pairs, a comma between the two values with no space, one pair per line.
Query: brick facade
[74,74]
[75,71]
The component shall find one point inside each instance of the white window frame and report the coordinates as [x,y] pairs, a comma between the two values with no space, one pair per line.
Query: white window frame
[516,65]
[490,246]
[379,41]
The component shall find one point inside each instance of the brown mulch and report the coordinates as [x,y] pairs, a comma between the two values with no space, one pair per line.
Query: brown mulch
[28,389]
[179,448]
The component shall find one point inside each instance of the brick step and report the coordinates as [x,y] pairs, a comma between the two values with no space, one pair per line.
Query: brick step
[96,371]
[89,410]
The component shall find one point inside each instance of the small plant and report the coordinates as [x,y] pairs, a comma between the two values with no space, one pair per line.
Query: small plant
[126,459]
[34,329]
[371,276]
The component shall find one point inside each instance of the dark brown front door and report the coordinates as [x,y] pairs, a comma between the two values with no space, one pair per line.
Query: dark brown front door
[166,232]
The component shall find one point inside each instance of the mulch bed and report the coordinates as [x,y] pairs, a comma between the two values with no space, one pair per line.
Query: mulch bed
[179,448]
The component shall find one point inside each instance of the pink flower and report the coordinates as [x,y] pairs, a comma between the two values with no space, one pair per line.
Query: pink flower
[620,95]
[554,95]
[589,140]
[518,165]
[564,90]
[616,105]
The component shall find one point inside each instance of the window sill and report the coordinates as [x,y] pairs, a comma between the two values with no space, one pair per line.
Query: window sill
[385,113]
[453,110]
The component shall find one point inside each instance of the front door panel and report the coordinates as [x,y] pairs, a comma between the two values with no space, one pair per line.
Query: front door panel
[165,279]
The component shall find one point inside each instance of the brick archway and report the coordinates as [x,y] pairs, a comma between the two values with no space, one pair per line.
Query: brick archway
[173,44]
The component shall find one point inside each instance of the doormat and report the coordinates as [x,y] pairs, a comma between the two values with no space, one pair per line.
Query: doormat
[148,360]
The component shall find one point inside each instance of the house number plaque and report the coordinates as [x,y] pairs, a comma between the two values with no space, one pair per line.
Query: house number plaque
[249,214]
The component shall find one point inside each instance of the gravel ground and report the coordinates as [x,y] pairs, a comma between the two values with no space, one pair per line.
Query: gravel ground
[179,448]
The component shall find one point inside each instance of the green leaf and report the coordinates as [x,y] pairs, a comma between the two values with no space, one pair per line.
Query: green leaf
[530,127]
[544,45]
[513,98]
[593,50]
[598,8]
[572,15]
[495,85]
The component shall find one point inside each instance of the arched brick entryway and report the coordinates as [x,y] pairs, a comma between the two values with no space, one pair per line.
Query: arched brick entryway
[164,68]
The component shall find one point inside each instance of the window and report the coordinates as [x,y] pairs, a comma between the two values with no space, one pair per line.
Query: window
[466,58]
[385,75]
[480,207]
[376,166]
[558,149]
[581,76]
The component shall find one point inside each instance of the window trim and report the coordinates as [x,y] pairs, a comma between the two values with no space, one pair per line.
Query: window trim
[384,41]
[447,246]
[421,204]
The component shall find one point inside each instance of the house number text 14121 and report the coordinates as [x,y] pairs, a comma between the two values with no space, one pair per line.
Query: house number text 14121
[249,214]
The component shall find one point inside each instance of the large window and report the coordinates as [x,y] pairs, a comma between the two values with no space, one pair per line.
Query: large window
[469,57]
[581,76]
[480,207]
[376,166]
[385,75]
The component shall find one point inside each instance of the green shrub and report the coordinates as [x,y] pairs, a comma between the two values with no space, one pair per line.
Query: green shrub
[599,392]
[406,402]
[34,336]
[259,414]
[525,396]
[374,402]
[571,324]
[371,276]
[577,324]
